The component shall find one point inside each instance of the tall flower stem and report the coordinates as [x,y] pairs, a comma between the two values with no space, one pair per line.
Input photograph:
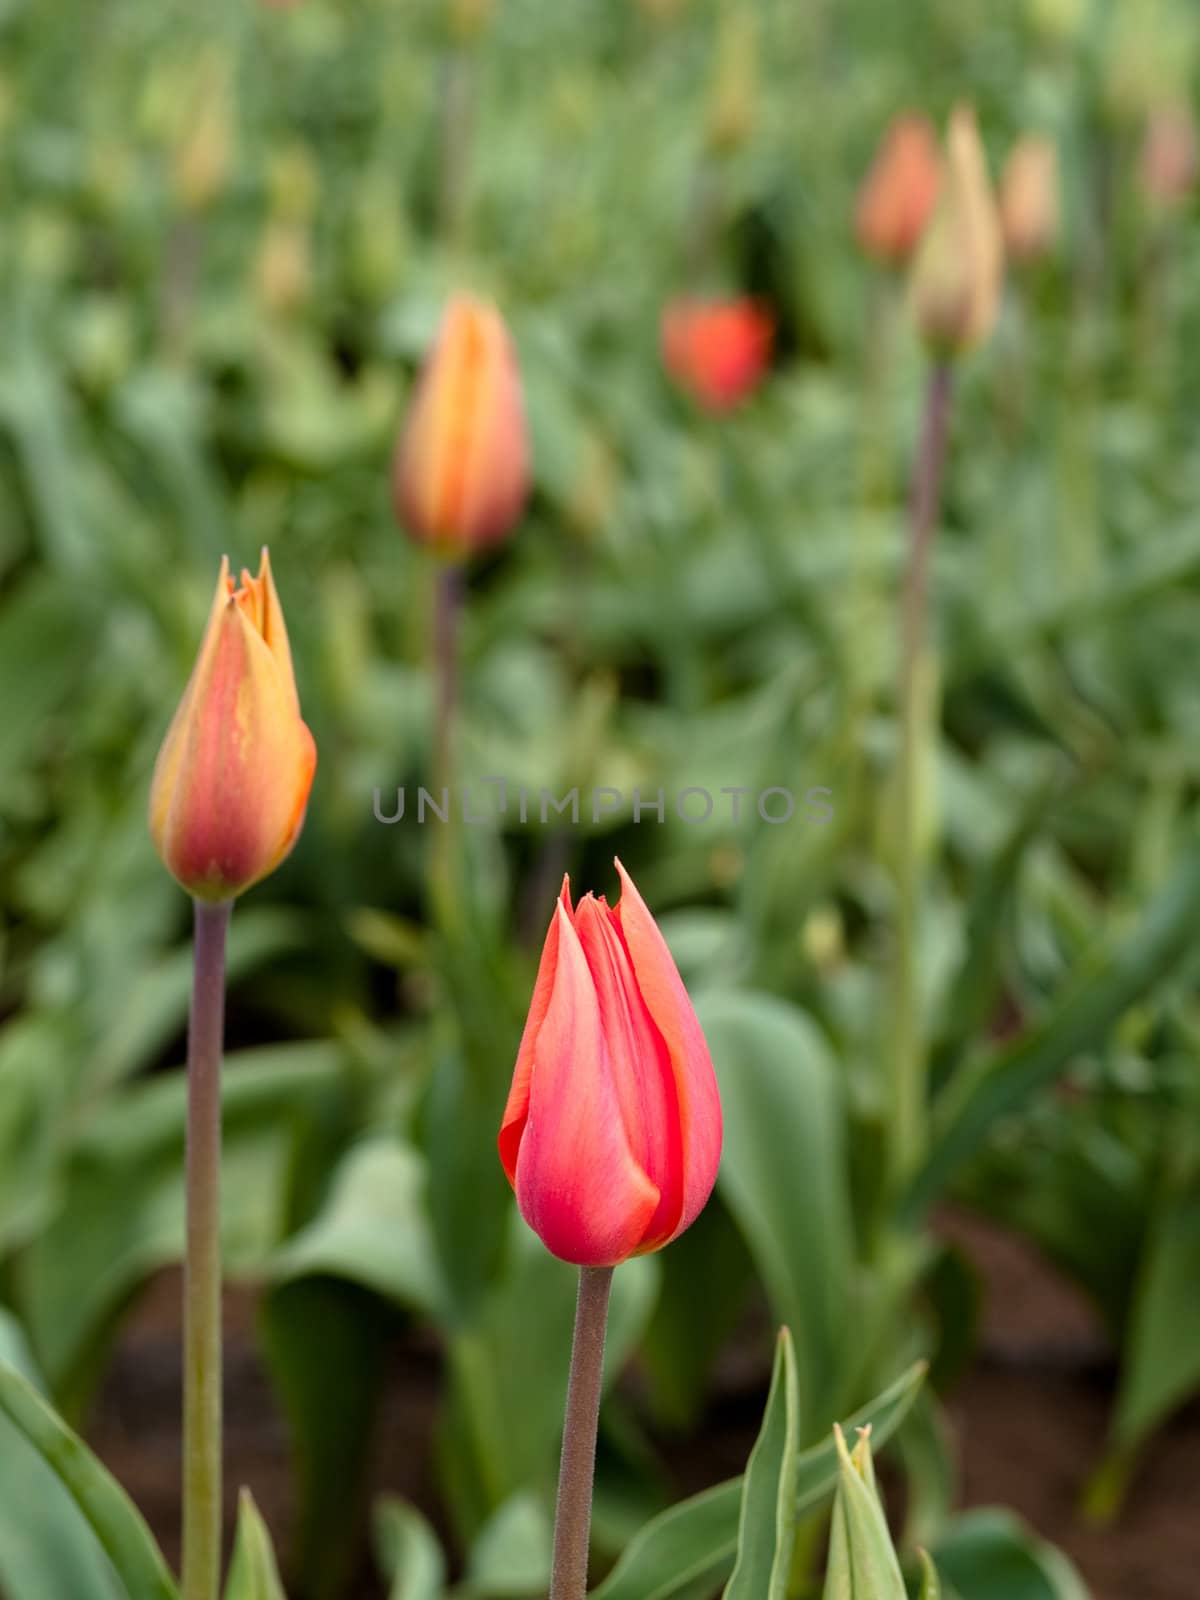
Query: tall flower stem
[447,617]
[573,1517]
[909,1085]
[202,1268]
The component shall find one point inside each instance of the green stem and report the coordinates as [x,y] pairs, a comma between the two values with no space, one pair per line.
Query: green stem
[202,1269]
[573,1517]
[447,616]
[909,1085]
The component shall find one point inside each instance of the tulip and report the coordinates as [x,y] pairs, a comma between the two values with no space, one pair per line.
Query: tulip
[900,190]
[1169,155]
[460,473]
[612,1132]
[716,350]
[1029,207]
[959,267]
[234,772]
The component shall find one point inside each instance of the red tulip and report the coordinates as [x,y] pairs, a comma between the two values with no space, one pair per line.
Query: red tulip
[233,776]
[1169,159]
[612,1132]
[717,350]
[460,474]
[900,190]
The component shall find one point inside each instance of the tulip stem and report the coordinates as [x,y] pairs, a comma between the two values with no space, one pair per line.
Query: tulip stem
[573,1517]
[202,1268]
[446,614]
[909,1087]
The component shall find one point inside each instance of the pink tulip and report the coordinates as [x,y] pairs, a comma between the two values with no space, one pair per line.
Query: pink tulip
[717,350]
[612,1133]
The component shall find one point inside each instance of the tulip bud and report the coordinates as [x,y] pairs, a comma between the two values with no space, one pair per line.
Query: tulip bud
[204,152]
[1169,156]
[234,772]
[283,269]
[1058,22]
[1029,209]
[900,191]
[959,267]
[460,473]
[716,350]
[612,1133]
[735,85]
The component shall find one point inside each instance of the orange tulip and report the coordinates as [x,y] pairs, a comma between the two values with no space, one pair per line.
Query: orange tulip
[612,1133]
[234,772]
[716,350]
[1169,156]
[460,474]
[958,270]
[1029,210]
[900,190]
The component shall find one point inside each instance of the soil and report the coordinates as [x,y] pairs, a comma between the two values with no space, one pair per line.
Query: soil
[1029,1420]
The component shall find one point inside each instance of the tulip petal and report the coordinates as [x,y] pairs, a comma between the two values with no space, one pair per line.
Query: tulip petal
[696,1083]
[644,1078]
[516,1111]
[578,1184]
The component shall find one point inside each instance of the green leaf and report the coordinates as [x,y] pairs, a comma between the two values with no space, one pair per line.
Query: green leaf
[783,1177]
[931,1589]
[862,1558]
[112,1516]
[409,1553]
[46,1546]
[511,1558]
[253,1574]
[312,1327]
[1162,1358]
[991,1555]
[767,1525]
[688,1551]
[1004,1080]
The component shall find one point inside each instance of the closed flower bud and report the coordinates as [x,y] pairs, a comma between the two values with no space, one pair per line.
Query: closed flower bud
[1169,155]
[203,155]
[716,350]
[1029,204]
[734,100]
[234,772]
[958,269]
[612,1133]
[900,190]
[460,474]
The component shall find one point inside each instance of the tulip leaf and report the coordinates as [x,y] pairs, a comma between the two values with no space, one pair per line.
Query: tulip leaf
[1002,1081]
[46,1545]
[512,1555]
[112,1516]
[990,1555]
[862,1559]
[930,1589]
[767,1526]
[688,1551]
[253,1573]
[783,1176]
[409,1554]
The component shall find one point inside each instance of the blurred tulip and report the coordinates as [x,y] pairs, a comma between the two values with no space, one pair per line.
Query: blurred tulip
[203,153]
[735,85]
[900,191]
[612,1133]
[1029,203]
[1169,155]
[959,268]
[1058,21]
[460,473]
[283,269]
[233,776]
[717,350]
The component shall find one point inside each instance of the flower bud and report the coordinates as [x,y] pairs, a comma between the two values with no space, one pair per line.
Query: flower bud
[735,84]
[1169,157]
[1029,205]
[203,155]
[716,350]
[460,472]
[958,269]
[612,1133]
[900,190]
[232,779]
